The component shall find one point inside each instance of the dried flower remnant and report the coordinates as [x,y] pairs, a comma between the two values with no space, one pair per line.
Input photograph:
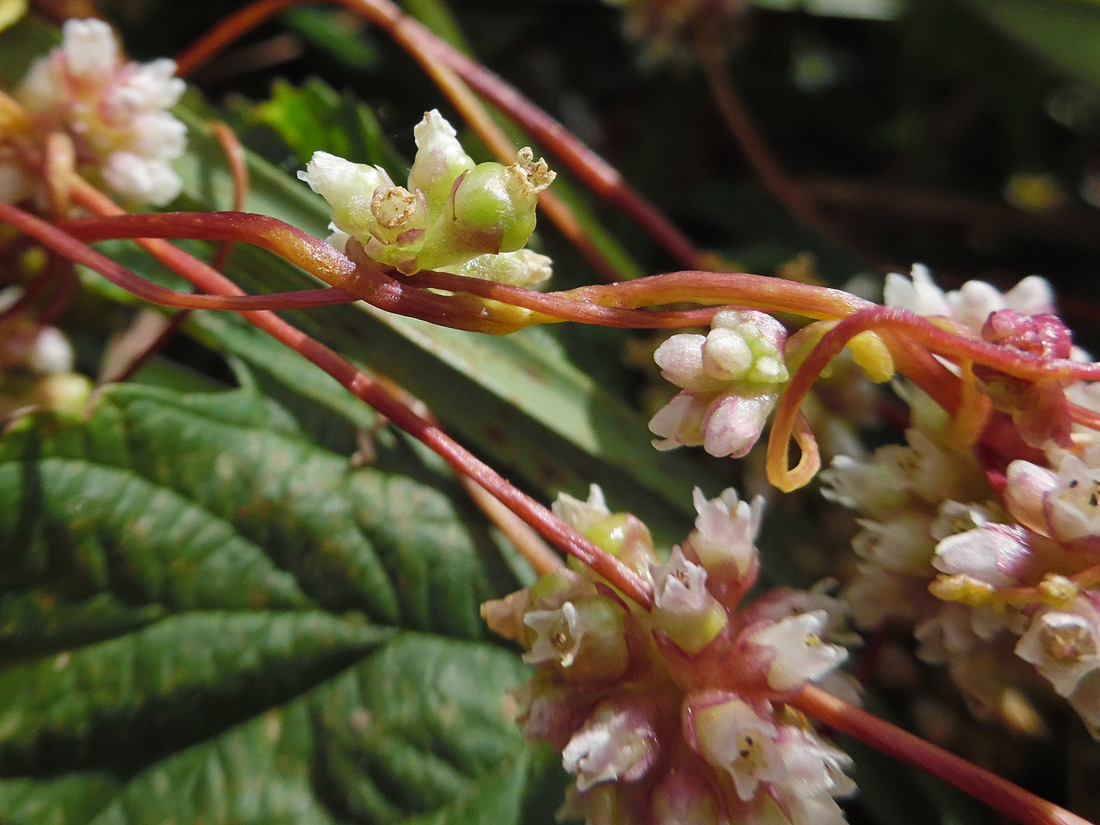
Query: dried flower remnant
[114,112]
[684,720]
[454,216]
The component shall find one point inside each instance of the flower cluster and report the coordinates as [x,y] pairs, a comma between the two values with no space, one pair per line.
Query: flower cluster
[454,216]
[730,379]
[991,554]
[677,714]
[114,111]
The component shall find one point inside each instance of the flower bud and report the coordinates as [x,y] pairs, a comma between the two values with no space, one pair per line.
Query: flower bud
[440,160]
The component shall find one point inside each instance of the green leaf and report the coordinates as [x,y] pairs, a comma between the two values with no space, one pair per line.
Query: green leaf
[1064,33]
[205,617]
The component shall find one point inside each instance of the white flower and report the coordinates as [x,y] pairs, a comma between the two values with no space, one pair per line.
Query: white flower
[798,655]
[1073,506]
[900,543]
[732,736]
[679,587]
[972,304]
[616,743]
[812,767]
[454,216]
[725,530]
[558,635]
[1064,645]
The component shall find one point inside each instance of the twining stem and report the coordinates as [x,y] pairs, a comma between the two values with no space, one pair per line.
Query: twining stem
[607,304]
[999,794]
[434,53]
[536,515]
[897,324]
[76,251]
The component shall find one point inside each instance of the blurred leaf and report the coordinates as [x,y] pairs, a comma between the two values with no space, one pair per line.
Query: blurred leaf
[11,11]
[1065,33]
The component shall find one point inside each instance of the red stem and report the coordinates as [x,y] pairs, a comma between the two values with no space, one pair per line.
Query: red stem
[76,251]
[999,794]
[597,304]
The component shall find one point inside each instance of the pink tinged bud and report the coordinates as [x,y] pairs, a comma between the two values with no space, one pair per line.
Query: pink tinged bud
[680,422]
[733,737]
[1063,646]
[733,422]
[725,530]
[616,743]
[796,653]
[1073,508]
[683,607]
[1025,491]
[991,554]
[1041,335]
[681,361]
[726,355]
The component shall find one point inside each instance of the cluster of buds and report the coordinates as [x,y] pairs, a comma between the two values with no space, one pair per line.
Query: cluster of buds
[113,111]
[678,714]
[454,216]
[730,380]
[990,554]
